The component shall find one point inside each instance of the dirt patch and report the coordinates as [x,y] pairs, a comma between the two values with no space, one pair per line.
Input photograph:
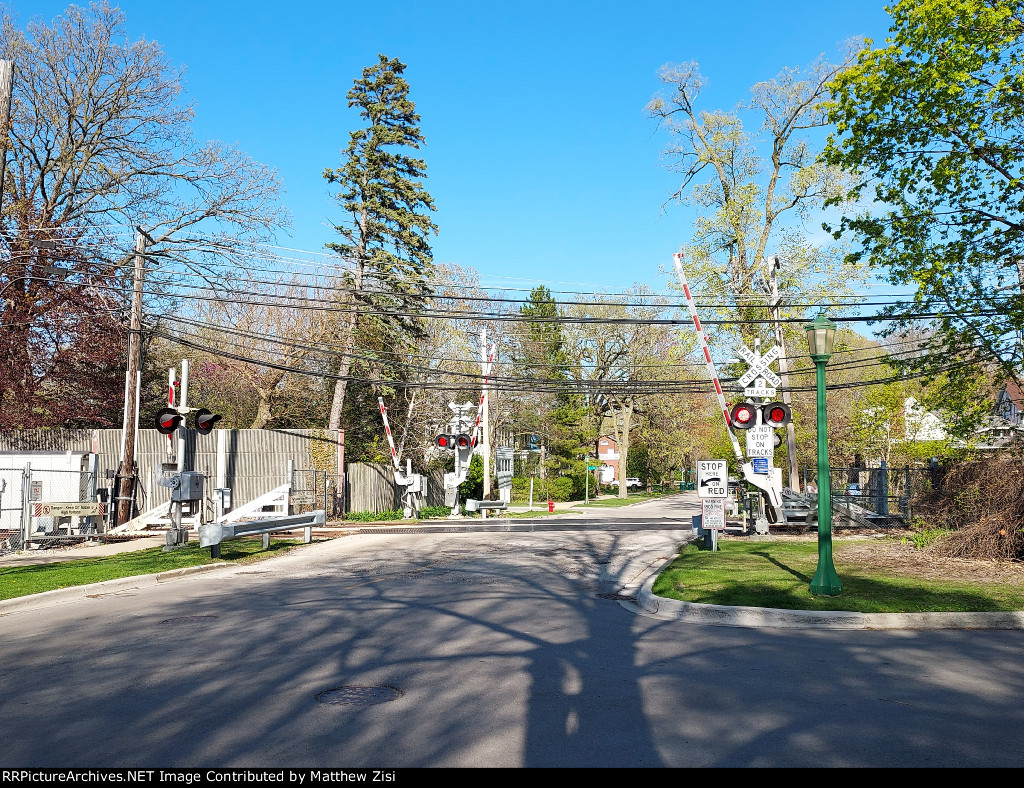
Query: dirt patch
[907,559]
[887,552]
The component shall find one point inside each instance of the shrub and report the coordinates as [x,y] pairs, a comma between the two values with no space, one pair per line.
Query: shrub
[428,512]
[375,517]
[980,505]
[561,489]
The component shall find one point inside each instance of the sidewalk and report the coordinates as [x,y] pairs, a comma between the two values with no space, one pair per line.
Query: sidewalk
[85,550]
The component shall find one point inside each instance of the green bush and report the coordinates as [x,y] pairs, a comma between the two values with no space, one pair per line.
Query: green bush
[521,488]
[428,512]
[375,517]
[561,489]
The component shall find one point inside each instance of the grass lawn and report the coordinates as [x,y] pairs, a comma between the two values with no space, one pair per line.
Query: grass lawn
[777,575]
[18,581]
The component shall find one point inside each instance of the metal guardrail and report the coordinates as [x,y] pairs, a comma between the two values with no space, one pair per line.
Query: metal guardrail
[212,534]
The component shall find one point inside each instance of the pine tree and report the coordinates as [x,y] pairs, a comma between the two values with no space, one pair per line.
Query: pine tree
[387,227]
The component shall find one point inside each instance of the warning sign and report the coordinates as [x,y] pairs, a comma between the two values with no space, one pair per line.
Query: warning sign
[74,509]
[713,514]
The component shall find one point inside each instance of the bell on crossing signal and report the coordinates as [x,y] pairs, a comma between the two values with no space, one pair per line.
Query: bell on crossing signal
[743,416]
[776,414]
[167,421]
[205,421]
[444,441]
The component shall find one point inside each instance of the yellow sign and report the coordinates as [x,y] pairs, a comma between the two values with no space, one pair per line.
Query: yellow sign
[74,509]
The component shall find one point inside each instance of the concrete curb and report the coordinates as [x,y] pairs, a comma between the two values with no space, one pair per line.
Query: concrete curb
[724,615]
[75,593]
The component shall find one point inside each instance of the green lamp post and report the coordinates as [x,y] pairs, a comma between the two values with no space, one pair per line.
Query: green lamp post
[821,333]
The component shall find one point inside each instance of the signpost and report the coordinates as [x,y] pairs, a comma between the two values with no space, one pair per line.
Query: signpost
[713,514]
[712,489]
[759,372]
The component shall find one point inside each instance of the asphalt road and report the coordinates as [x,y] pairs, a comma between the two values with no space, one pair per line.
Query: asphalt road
[485,649]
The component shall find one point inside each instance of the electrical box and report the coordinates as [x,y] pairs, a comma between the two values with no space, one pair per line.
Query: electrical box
[189,487]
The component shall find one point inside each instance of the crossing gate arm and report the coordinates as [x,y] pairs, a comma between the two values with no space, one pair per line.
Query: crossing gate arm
[677,258]
[212,534]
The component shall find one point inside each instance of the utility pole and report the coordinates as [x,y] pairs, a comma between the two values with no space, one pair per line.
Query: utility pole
[485,443]
[773,269]
[6,94]
[126,473]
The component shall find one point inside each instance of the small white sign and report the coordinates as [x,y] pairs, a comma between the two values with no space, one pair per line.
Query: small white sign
[712,479]
[713,514]
[760,389]
[761,441]
[71,509]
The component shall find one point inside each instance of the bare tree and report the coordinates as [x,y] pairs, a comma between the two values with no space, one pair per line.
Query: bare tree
[100,140]
[754,188]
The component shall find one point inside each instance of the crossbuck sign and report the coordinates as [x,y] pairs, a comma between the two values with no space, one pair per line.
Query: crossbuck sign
[766,379]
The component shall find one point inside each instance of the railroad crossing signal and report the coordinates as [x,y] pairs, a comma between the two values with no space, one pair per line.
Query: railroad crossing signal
[205,421]
[167,420]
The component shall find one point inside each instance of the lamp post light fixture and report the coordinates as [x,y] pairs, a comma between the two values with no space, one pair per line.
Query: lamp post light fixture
[821,333]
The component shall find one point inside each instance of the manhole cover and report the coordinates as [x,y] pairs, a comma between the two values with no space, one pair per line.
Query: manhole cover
[362,696]
[617,597]
[187,619]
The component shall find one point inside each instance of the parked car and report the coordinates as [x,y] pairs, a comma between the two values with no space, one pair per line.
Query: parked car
[853,489]
[633,482]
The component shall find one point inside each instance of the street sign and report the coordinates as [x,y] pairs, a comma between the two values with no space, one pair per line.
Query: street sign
[761,441]
[35,491]
[72,509]
[712,514]
[760,464]
[712,479]
[759,366]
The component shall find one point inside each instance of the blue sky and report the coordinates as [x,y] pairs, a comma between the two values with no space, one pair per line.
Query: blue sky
[540,159]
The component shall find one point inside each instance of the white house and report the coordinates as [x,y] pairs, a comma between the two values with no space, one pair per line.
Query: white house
[920,424]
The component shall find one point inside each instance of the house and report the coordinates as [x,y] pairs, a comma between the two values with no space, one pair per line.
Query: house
[1003,427]
[920,424]
[1010,404]
[608,454]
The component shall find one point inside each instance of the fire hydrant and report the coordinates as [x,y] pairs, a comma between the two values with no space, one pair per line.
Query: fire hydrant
[551,505]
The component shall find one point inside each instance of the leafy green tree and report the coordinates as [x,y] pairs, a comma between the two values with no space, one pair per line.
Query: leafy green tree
[933,123]
[387,227]
[554,411]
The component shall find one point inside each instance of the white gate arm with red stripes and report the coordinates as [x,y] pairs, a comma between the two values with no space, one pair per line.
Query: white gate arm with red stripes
[483,396]
[678,260]
[399,477]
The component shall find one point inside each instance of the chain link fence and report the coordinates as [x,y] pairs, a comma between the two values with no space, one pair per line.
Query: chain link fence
[47,507]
